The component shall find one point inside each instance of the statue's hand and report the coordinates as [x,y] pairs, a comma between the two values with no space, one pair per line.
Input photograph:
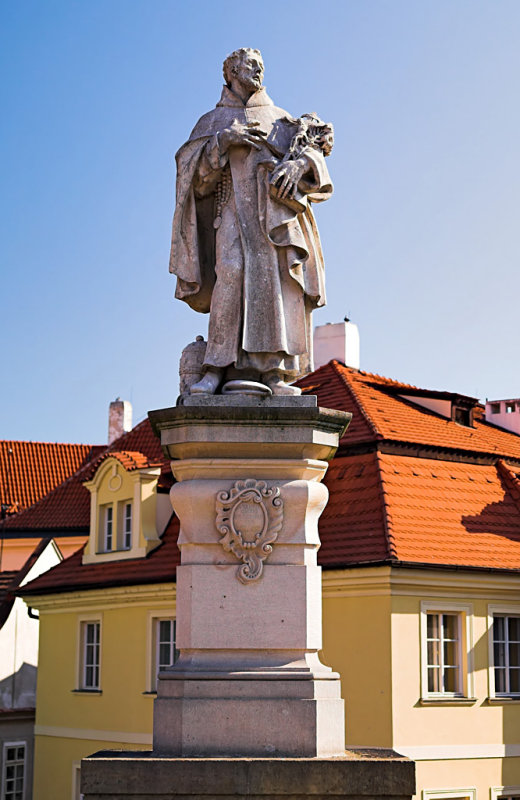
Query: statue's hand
[287,175]
[241,134]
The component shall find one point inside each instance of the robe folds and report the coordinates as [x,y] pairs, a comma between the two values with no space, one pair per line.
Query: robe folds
[261,272]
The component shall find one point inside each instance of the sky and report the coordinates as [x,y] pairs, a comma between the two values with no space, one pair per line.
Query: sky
[421,237]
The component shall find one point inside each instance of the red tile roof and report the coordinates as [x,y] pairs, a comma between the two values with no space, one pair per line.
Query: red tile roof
[30,470]
[129,459]
[380,414]
[67,508]
[453,500]
[71,575]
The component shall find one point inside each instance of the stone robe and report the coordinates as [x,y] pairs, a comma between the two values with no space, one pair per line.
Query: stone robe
[261,272]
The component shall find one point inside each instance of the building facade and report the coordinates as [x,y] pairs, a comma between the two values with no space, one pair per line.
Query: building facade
[421,567]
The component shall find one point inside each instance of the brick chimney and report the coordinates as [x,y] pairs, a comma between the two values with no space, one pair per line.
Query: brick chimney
[119,419]
[339,340]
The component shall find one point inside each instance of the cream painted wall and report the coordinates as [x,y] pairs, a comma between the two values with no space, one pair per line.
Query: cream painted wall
[356,643]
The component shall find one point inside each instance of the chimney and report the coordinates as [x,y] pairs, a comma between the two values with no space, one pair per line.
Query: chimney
[504,413]
[119,419]
[339,340]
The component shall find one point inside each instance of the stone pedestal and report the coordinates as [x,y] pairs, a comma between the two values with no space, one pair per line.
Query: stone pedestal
[248,710]
[248,495]
[357,775]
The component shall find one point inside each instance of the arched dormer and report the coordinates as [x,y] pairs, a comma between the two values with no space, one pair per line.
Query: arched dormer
[123,500]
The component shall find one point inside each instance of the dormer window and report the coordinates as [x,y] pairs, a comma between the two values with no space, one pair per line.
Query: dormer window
[109,527]
[127,526]
[462,416]
[123,521]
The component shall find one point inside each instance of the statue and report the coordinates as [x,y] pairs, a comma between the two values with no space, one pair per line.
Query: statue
[245,246]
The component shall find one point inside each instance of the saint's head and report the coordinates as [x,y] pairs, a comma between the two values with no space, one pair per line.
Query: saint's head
[244,70]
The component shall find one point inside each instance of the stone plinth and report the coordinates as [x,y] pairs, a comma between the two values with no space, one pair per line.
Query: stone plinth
[358,775]
[249,495]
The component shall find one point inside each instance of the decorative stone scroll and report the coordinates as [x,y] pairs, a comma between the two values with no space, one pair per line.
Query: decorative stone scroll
[250,517]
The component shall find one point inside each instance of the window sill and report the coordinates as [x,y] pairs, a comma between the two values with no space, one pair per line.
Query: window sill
[150,694]
[447,701]
[499,699]
[86,691]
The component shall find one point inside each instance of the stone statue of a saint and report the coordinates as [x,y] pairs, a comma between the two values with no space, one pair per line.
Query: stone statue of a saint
[245,246]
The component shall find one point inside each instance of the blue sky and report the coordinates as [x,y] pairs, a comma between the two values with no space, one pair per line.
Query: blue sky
[421,238]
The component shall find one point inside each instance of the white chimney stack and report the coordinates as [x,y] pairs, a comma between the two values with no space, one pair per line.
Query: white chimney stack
[339,340]
[505,413]
[119,419]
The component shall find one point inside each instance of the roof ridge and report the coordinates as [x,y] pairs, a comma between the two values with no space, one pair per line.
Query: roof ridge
[335,364]
[387,516]
[54,444]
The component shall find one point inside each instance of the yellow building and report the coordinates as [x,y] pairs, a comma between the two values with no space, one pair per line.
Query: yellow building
[421,558]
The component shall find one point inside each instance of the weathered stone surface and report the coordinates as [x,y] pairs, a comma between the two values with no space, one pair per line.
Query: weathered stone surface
[363,774]
[245,245]
[255,430]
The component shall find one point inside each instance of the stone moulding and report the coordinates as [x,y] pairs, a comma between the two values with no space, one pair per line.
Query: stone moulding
[249,517]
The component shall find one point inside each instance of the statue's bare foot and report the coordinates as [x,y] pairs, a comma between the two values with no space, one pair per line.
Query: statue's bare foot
[277,385]
[209,383]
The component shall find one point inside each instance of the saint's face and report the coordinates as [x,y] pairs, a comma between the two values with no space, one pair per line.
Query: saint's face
[250,72]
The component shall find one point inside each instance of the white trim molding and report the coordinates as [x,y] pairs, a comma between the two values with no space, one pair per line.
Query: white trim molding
[122,737]
[454,752]
[497,792]
[513,610]
[450,794]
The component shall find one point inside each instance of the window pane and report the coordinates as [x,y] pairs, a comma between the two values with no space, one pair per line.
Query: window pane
[514,654]
[432,626]
[434,679]
[500,680]
[514,629]
[450,654]
[165,630]
[451,679]
[499,654]
[434,653]
[449,626]
[499,629]
[165,655]
[514,681]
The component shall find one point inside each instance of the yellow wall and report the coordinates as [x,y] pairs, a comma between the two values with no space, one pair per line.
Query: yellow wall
[356,643]
[71,724]
[371,636]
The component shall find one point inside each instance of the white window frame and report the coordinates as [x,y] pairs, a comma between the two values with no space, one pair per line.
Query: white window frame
[20,743]
[504,611]
[154,617]
[465,614]
[127,530]
[83,621]
[468,793]
[503,792]
[108,518]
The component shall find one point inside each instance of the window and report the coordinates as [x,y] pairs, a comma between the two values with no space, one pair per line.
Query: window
[13,772]
[109,527]
[448,794]
[495,408]
[445,648]
[165,651]
[510,408]
[506,654]
[127,526]
[443,653]
[90,655]
[463,416]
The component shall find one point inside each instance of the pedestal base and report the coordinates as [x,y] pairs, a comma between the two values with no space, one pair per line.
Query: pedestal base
[357,775]
[261,716]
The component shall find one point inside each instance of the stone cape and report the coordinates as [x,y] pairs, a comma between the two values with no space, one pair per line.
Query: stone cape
[261,273]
